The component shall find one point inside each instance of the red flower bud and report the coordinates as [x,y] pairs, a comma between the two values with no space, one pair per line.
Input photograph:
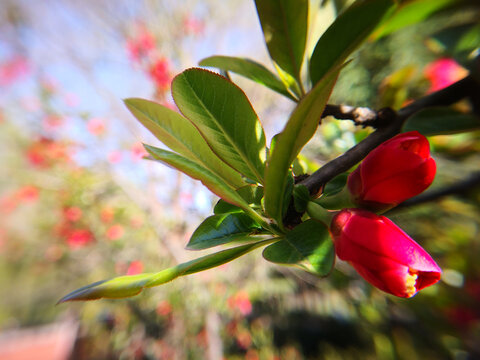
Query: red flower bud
[395,171]
[382,253]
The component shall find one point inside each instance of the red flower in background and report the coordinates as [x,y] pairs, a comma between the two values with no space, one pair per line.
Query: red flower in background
[160,73]
[382,253]
[44,152]
[241,302]
[79,238]
[443,72]
[115,232]
[13,69]
[140,46]
[28,193]
[96,126]
[393,172]
[135,267]
[107,215]
[73,213]
[193,25]
[52,122]
[114,156]
[138,151]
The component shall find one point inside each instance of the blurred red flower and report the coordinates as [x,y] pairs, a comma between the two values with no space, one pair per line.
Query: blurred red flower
[443,72]
[193,25]
[106,215]
[160,73]
[44,152]
[241,302]
[135,267]
[28,193]
[72,213]
[114,157]
[96,126]
[79,238]
[164,308]
[13,70]
[141,45]
[115,232]
[138,151]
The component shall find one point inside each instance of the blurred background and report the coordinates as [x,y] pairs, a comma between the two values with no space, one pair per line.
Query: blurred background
[78,203]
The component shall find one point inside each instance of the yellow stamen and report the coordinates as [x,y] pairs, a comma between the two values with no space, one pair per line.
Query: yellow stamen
[410,282]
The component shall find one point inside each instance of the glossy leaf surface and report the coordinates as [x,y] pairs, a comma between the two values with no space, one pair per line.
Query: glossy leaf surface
[284,24]
[251,194]
[222,229]
[410,13]
[298,131]
[180,135]
[346,33]
[441,121]
[249,69]
[222,113]
[308,246]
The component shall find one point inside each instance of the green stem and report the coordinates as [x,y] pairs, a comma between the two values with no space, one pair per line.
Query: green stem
[319,213]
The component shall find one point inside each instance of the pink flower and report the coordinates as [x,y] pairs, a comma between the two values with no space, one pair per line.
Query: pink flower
[193,25]
[28,193]
[72,213]
[443,72]
[107,215]
[13,70]
[141,45]
[135,267]
[115,156]
[398,169]
[160,73]
[44,152]
[52,122]
[79,238]
[138,151]
[115,232]
[164,308]
[241,302]
[96,126]
[382,253]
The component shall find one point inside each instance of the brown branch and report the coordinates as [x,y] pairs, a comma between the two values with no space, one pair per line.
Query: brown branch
[359,115]
[391,125]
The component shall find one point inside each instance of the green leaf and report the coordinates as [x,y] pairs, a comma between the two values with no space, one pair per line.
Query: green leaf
[209,179]
[308,246]
[125,286]
[222,229]
[335,185]
[284,24]
[410,13]
[179,134]
[249,69]
[222,113]
[298,131]
[250,193]
[441,121]
[460,42]
[301,197]
[346,33]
